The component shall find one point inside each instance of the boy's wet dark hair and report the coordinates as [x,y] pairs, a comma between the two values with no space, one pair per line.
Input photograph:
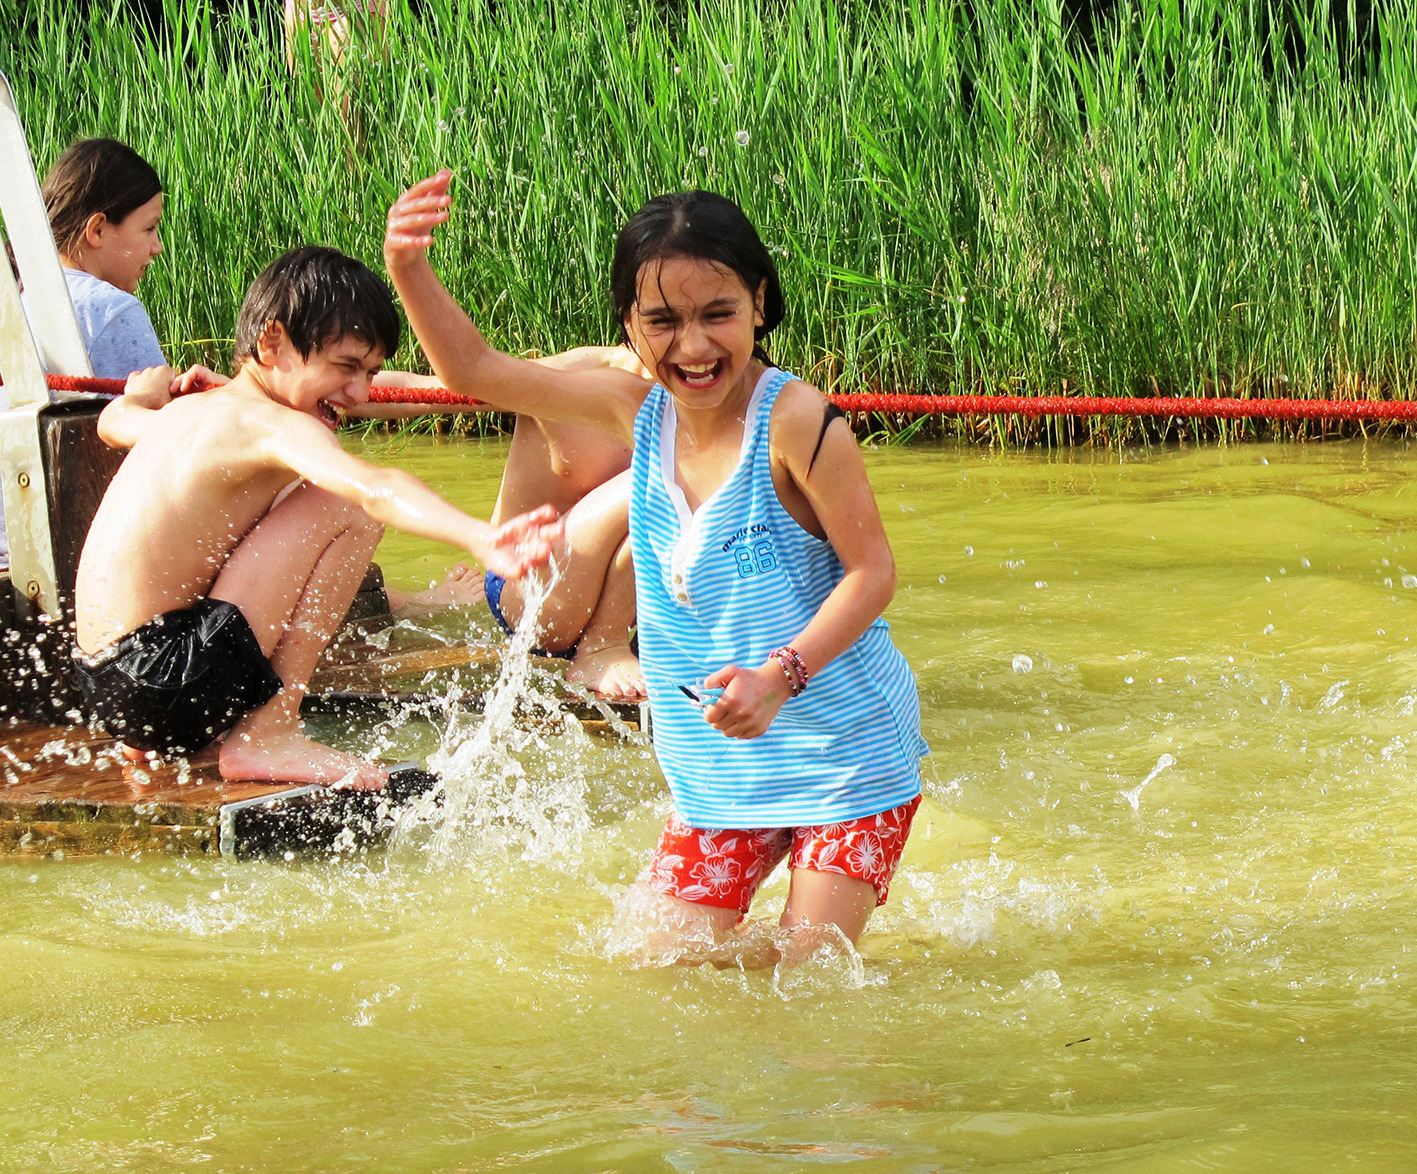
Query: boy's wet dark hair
[695,224]
[320,296]
[95,175]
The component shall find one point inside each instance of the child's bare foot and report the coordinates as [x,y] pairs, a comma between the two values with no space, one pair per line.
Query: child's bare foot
[291,757]
[461,587]
[612,671]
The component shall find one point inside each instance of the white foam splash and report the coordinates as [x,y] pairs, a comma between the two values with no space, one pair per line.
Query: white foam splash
[488,798]
[1133,796]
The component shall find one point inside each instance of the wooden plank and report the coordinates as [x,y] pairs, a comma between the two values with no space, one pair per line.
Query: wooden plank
[371,674]
[67,791]
[60,840]
[388,703]
[78,467]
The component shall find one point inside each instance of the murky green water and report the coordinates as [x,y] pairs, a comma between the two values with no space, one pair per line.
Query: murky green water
[1157,918]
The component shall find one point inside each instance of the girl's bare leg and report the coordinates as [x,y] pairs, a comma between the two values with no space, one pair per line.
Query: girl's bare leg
[293,577]
[819,904]
[656,929]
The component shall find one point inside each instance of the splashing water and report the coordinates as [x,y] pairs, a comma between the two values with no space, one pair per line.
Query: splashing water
[489,798]
[1165,762]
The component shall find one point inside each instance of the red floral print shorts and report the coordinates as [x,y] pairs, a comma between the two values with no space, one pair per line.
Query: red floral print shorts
[723,867]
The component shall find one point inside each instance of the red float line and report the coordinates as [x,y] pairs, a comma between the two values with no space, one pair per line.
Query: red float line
[1079,405]
[965,405]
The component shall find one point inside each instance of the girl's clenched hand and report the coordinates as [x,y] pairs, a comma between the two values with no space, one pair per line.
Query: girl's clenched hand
[750,701]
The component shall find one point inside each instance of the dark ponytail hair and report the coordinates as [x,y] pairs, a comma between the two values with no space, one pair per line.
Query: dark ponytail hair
[95,175]
[698,225]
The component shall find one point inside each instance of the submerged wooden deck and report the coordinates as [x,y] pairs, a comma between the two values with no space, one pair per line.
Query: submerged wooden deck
[67,791]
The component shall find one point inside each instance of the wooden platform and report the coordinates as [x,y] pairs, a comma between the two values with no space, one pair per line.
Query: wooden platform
[66,791]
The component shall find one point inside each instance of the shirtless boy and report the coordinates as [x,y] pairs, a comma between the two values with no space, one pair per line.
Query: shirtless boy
[230,544]
[581,471]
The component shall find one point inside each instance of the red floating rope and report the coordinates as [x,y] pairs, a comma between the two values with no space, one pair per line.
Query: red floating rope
[963,405]
[1081,405]
[377,395]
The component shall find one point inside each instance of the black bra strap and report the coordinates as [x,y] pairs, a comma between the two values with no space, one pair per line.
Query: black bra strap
[832,413]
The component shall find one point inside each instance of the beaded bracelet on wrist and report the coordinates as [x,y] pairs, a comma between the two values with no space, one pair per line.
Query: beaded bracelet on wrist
[793,668]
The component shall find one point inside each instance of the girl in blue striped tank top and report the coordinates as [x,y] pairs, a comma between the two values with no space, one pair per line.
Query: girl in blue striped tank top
[784,719]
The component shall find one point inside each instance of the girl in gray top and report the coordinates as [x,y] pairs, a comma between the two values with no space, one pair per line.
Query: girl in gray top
[105,204]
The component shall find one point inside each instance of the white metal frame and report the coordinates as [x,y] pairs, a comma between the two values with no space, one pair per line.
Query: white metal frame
[47,339]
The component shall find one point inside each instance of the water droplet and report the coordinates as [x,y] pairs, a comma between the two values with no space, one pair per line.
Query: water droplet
[741,138]
[442,124]
[1023,663]
[969,550]
[728,68]
[779,179]
[1409,581]
[703,152]
[942,579]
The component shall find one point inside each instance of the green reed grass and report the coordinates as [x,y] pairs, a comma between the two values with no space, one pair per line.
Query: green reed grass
[963,197]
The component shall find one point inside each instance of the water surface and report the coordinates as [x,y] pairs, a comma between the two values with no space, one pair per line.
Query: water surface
[1156,915]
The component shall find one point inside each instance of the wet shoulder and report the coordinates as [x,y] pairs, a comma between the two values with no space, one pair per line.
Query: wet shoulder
[225,422]
[797,417]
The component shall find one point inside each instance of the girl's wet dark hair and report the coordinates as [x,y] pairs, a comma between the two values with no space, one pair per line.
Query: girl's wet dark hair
[701,225]
[95,175]
[320,296]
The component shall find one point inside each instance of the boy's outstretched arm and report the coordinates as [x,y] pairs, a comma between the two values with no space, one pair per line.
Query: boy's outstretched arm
[401,500]
[463,359]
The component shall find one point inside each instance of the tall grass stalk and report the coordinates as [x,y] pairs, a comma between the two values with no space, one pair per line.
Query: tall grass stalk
[1207,197]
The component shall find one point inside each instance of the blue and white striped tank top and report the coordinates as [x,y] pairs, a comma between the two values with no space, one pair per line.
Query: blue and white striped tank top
[727,584]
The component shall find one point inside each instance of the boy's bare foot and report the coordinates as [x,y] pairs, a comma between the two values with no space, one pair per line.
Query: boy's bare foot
[461,587]
[291,757]
[611,671]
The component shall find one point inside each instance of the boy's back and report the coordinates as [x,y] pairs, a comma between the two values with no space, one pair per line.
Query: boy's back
[195,483]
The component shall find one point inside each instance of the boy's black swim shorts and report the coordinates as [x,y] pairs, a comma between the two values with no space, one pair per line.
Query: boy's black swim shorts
[178,682]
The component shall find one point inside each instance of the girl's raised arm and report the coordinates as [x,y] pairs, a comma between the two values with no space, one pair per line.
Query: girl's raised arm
[459,354]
